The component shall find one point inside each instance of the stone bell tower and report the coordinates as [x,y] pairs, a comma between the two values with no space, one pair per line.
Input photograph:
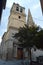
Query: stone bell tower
[16,20]
[17,16]
[30,21]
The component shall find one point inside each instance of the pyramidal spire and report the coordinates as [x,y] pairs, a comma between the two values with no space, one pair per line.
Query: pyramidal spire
[30,21]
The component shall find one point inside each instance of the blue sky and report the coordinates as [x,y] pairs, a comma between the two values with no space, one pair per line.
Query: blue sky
[33,5]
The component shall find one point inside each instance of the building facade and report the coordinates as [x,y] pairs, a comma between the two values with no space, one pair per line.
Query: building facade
[10,46]
[2,6]
[41,2]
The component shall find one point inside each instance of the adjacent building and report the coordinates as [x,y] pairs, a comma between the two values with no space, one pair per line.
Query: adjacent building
[2,6]
[41,1]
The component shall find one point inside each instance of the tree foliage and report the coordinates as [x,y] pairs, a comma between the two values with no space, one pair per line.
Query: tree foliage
[28,36]
[39,39]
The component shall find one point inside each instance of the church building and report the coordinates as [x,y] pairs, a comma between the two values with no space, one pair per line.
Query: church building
[10,48]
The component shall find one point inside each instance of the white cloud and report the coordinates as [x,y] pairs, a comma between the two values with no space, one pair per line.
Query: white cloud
[0,39]
[36,6]
[10,2]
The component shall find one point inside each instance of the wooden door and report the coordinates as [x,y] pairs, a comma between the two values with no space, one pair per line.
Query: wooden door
[20,53]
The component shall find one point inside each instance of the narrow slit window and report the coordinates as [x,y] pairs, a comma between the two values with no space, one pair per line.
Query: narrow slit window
[21,10]
[17,8]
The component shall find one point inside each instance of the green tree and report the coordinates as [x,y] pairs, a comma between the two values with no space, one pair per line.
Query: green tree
[26,36]
[39,39]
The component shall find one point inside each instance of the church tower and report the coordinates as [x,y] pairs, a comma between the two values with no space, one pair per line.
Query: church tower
[16,20]
[30,21]
[17,16]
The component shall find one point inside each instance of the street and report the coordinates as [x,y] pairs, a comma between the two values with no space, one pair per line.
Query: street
[14,62]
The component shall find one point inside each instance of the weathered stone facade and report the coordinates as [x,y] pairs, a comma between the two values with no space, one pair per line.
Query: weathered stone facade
[10,46]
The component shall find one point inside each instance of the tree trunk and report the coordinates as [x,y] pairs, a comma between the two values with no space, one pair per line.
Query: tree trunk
[30,57]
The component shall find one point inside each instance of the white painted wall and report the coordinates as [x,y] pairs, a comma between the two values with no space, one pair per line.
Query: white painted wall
[36,54]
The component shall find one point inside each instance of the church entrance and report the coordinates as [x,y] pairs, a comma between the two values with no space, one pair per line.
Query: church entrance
[20,53]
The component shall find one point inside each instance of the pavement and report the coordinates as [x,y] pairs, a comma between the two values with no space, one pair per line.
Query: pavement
[14,62]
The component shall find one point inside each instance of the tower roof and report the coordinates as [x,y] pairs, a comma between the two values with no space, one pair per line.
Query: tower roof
[18,5]
[30,21]
[17,16]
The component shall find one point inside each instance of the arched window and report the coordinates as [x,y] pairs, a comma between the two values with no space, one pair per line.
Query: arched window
[19,17]
[17,8]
